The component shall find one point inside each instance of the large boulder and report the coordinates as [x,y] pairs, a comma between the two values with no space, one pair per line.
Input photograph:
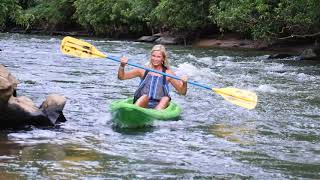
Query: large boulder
[17,112]
[8,84]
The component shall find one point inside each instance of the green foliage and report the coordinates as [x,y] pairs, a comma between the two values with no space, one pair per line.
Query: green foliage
[140,18]
[180,15]
[299,17]
[109,16]
[25,4]
[6,7]
[257,19]
[48,14]
[11,12]
[266,19]
[25,20]
[104,16]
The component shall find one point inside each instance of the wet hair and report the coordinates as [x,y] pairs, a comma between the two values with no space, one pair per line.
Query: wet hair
[163,51]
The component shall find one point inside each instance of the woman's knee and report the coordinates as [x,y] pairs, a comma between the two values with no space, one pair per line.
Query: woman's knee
[142,101]
[165,98]
[164,102]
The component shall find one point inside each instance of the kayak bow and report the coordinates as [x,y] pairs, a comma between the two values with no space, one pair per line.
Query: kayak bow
[127,115]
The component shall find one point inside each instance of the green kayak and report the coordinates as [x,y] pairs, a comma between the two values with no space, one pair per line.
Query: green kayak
[127,115]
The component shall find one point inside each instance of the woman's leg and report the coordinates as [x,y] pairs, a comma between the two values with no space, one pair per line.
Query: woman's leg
[142,101]
[163,103]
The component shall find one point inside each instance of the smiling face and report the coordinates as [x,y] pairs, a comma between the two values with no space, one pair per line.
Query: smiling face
[157,58]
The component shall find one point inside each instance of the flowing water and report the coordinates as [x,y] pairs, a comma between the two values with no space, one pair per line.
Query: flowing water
[212,139]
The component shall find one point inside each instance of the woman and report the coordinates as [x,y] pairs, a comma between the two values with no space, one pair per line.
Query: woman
[153,91]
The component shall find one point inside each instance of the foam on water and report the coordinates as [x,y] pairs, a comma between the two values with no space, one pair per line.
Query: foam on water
[275,67]
[224,58]
[195,72]
[302,77]
[267,88]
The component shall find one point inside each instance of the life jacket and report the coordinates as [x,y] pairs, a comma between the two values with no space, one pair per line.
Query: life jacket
[155,87]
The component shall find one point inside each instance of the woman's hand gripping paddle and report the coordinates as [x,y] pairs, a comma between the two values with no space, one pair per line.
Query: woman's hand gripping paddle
[78,48]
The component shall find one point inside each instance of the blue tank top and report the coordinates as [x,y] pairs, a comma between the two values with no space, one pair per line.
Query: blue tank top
[155,87]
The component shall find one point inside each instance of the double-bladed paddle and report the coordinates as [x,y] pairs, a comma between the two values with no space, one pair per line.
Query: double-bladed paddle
[78,48]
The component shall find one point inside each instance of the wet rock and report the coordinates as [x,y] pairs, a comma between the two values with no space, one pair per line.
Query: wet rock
[8,84]
[18,112]
[6,90]
[147,39]
[21,111]
[167,40]
[53,107]
[162,38]
[279,56]
[310,54]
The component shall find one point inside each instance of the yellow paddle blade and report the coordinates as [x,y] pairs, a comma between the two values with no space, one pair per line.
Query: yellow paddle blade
[77,48]
[240,97]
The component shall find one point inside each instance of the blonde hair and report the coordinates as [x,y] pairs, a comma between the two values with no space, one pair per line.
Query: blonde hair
[163,51]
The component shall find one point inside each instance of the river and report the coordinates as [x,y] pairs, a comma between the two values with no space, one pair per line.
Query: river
[279,139]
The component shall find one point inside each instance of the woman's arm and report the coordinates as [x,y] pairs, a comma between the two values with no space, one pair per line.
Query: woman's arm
[180,85]
[122,75]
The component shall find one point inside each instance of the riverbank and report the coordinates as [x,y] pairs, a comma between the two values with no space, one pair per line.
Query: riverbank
[303,48]
[234,43]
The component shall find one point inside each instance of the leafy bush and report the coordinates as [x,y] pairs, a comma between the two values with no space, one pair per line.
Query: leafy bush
[258,19]
[11,12]
[104,16]
[48,14]
[265,19]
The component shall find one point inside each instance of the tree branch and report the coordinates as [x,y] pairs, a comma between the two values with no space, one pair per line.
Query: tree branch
[301,36]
